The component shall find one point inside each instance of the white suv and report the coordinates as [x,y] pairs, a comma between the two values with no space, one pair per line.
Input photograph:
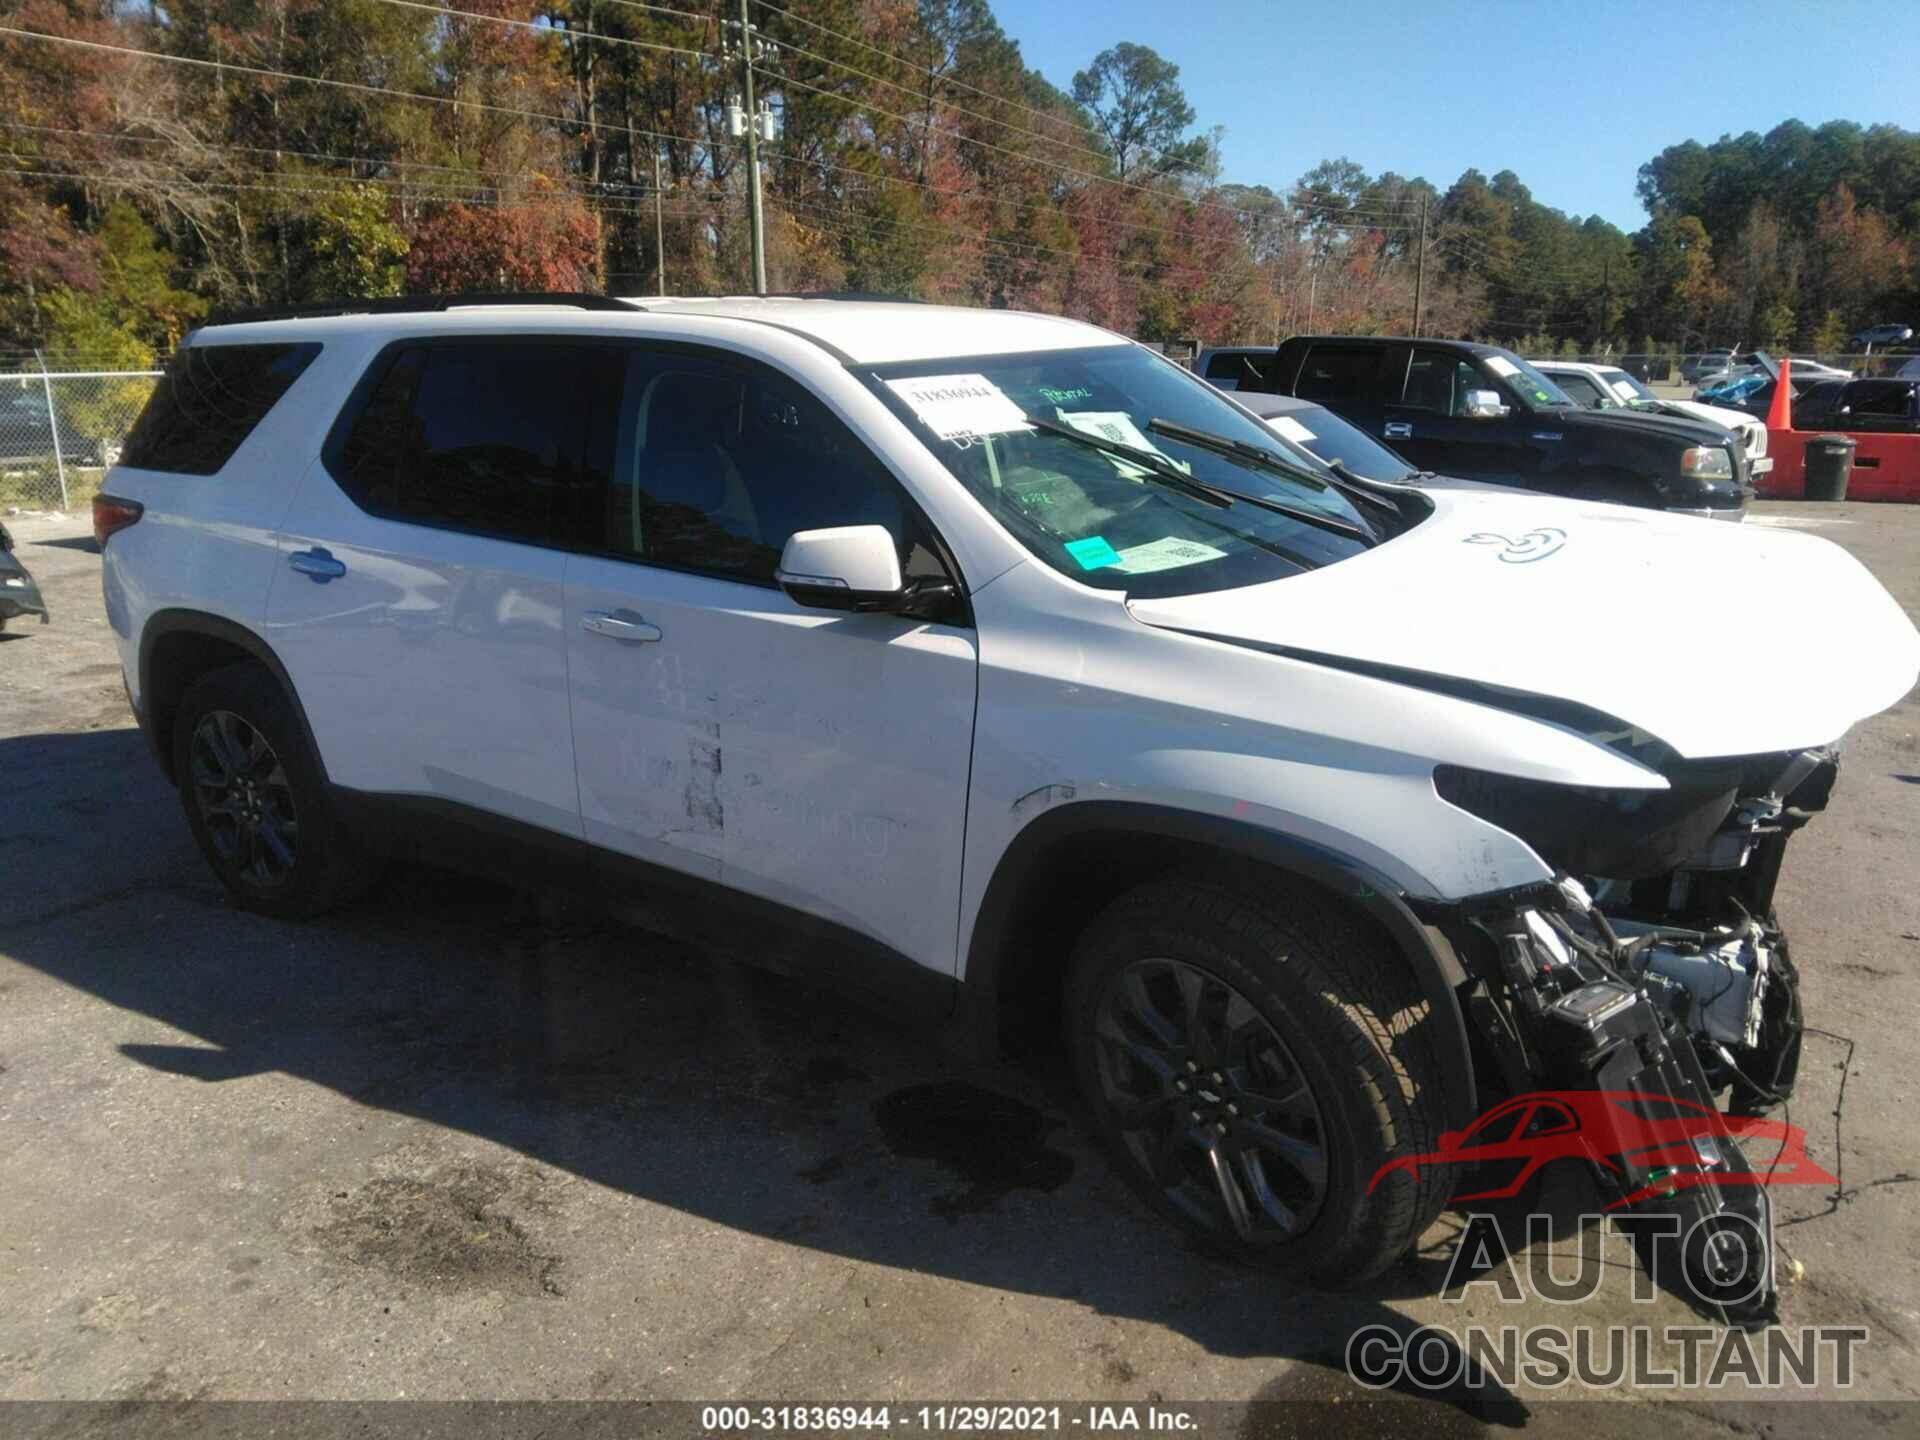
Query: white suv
[996,664]
[1608,387]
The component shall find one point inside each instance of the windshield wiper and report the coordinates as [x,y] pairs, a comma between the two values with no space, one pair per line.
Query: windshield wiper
[1172,476]
[1346,482]
[1389,495]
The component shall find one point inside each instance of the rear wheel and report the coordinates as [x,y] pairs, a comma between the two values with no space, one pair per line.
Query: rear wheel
[254,797]
[1252,1064]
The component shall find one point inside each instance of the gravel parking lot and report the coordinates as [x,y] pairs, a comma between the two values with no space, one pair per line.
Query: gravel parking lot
[458,1142]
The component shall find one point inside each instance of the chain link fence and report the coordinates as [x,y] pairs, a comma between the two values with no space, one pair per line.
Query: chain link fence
[1690,367]
[60,430]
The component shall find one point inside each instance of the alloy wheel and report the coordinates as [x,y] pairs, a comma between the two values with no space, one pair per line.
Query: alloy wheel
[244,798]
[1210,1101]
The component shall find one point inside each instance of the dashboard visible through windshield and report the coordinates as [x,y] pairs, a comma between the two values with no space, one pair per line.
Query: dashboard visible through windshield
[1093,514]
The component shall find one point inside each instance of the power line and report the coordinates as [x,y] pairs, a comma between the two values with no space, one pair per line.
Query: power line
[790,48]
[400,188]
[353,85]
[902,60]
[544,30]
[585,122]
[573,184]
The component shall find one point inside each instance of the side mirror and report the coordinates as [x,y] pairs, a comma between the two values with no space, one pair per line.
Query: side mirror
[856,568]
[1484,405]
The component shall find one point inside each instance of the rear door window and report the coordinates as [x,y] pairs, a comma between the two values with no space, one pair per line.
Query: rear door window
[491,437]
[1342,375]
[209,401]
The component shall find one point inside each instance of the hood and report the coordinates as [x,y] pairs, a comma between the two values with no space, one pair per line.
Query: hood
[1735,420]
[1718,639]
[1682,430]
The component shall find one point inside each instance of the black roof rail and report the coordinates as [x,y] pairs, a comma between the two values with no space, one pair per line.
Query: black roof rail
[418,304]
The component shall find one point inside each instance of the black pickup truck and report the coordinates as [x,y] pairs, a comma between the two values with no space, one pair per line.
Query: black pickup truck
[1484,413]
[1890,406]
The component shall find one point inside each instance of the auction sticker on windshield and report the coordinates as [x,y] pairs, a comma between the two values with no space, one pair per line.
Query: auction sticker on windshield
[1501,366]
[1168,554]
[957,407]
[1291,428]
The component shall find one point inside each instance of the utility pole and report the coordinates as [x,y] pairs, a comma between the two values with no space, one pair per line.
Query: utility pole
[1606,293]
[1313,280]
[1420,270]
[747,120]
[659,223]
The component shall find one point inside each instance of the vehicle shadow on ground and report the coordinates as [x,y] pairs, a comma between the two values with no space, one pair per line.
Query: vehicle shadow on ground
[742,1097]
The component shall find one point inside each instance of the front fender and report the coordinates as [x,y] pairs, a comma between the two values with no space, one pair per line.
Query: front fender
[1424,950]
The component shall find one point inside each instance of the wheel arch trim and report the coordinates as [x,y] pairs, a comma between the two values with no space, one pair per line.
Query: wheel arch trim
[177,621]
[990,952]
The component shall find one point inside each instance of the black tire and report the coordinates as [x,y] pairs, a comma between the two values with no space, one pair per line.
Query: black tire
[1350,1021]
[240,713]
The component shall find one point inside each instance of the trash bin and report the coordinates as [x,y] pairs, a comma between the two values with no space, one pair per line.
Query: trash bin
[1829,465]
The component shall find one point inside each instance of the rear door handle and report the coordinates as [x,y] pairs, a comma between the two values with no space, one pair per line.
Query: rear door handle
[1398,430]
[317,565]
[618,625]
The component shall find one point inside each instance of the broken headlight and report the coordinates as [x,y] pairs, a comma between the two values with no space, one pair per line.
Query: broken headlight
[1624,834]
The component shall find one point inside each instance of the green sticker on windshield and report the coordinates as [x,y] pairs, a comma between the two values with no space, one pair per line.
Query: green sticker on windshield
[1093,552]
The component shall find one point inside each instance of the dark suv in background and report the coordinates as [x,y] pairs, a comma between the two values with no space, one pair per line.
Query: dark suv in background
[1484,413]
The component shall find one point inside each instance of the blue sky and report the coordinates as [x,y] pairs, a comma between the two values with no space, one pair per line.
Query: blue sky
[1572,98]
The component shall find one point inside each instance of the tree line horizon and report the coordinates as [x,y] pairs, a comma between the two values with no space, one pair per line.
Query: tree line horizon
[166,162]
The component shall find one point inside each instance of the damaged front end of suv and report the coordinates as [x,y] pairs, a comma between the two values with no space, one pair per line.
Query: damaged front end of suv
[1654,966]
[1591,825]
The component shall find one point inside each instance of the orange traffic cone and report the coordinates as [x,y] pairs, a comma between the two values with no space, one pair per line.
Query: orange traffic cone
[1780,413]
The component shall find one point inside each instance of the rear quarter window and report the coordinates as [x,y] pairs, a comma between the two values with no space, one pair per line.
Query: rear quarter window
[209,401]
[1337,375]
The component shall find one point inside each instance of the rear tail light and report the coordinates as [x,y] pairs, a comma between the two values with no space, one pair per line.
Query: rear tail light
[111,516]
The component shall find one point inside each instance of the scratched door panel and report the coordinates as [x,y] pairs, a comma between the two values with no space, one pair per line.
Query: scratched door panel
[646,711]
[846,741]
[815,759]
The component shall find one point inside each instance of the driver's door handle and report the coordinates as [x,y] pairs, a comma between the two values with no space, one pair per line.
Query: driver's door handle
[317,564]
[1398,430]
[618,625]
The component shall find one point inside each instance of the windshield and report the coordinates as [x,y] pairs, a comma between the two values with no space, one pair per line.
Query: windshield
[1091,514]
[1630,391]
[1535,390]
[1331,438]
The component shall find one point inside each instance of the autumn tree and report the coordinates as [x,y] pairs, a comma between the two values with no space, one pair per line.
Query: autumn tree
[522,247]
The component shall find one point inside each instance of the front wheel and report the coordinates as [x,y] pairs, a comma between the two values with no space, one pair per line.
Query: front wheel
[1252,1065]
[255,799]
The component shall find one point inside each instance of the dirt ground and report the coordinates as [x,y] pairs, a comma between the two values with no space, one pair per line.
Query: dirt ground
[458,1143]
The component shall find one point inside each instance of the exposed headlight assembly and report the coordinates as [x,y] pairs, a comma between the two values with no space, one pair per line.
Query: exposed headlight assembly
[1622,834]
[1707,462]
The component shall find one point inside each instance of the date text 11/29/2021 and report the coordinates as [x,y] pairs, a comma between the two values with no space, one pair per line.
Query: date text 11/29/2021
[947,1419]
